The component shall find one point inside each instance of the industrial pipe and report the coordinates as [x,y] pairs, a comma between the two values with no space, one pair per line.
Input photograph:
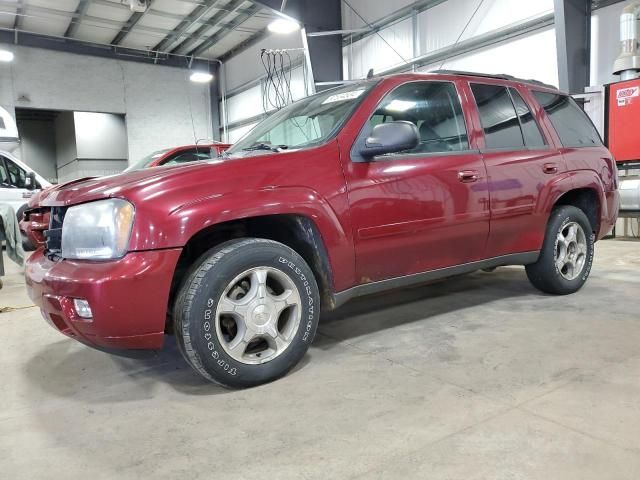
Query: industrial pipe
[627,65]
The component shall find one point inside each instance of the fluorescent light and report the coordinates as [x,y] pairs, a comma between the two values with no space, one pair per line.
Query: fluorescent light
[400,105]
[6,56]
[283,26]
[201,77]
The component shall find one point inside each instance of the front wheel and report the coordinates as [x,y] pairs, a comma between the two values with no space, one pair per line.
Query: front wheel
[247,313]
[567,253]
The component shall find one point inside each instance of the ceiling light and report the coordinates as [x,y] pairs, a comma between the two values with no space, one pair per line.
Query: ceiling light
[283,26]
[6,56]
[400,105]
[201,77]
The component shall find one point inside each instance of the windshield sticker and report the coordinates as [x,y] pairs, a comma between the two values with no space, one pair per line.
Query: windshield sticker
[341,97]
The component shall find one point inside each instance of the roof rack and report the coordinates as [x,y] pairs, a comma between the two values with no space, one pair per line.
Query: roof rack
[500,76]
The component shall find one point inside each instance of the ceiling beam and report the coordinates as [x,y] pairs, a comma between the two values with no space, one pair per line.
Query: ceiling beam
[224,31]
[81,11]
[187,22]
[245,44]
[214,21]
[133,19]
[17,22]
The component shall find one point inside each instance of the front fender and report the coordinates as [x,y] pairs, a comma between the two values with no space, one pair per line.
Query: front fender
[185,221]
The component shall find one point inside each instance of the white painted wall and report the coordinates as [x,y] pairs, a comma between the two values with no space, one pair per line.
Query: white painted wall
[100,136]
[162,107]
[530,56]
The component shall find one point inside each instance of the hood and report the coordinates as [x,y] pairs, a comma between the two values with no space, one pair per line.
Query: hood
[97,188]
[139,185]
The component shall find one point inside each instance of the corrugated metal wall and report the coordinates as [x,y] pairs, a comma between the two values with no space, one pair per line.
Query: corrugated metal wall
[441,26]
[530,55]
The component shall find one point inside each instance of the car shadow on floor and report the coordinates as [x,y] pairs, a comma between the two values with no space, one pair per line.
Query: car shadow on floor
[68,369]
[370,314]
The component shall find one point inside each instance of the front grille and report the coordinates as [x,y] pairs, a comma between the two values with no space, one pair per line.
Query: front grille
[53,236]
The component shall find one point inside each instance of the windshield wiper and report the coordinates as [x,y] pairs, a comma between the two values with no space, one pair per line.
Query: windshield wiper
[265,146]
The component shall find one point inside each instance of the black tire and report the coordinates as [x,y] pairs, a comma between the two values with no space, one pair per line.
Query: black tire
[545,274]
[197,302]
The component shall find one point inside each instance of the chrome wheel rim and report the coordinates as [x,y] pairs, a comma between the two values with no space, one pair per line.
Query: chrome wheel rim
[258,315]
[571,250]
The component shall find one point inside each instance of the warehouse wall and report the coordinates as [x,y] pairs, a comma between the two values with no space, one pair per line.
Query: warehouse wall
[66,150]
[38,144]
[244,75]
[160,103]
[531,55]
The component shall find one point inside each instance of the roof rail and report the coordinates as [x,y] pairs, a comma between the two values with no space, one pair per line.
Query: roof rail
[500,76]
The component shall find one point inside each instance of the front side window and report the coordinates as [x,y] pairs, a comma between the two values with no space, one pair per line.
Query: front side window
[569,120]
[498,117]
[433,107]
[17,176]
[305,123]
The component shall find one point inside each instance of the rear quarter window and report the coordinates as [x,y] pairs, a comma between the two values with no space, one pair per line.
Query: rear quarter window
[570,122]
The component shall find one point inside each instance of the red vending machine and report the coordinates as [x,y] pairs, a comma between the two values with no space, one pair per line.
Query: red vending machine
[623,120]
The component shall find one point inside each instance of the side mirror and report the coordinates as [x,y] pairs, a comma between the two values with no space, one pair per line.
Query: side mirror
[390,138]
[30,181]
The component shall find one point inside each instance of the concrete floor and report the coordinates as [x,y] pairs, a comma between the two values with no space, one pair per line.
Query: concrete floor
[479,377]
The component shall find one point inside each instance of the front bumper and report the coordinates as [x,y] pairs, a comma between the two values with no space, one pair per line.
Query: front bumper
[128,297]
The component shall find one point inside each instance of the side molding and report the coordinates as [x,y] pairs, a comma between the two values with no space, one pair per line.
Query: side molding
[524,258]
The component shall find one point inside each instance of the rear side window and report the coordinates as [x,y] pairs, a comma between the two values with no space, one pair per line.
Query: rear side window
[530,130]
[498,117]
[572,124]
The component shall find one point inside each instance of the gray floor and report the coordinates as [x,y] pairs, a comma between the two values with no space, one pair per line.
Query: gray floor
[480,377]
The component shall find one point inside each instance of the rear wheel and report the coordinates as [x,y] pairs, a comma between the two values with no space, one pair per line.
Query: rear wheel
[567,253]
[247,313]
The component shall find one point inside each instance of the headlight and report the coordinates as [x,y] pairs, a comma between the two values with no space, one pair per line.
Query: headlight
[97,230]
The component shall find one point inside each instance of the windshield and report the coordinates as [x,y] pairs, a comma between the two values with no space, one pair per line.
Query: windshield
[146,161]
[307,122]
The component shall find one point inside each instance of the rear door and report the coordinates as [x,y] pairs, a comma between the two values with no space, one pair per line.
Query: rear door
[520,160]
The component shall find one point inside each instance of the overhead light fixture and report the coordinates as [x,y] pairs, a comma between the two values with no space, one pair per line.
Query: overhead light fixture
[283,26]
[201,77]
[400,105]
[6,56]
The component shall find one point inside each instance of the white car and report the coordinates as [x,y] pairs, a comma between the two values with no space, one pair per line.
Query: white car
[18,182]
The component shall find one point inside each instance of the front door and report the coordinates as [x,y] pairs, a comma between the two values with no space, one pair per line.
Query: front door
[422,209]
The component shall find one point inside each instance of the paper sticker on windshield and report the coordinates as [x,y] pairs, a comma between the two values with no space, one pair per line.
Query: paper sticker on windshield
[341,97]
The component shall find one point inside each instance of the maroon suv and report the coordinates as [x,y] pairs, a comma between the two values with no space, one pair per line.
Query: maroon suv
[371,186]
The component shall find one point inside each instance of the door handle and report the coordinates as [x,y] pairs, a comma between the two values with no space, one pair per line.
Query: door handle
[550,168]
[468,176]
